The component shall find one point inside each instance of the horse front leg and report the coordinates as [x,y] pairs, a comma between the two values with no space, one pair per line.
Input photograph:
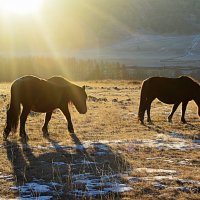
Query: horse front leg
[65,111]
[23,118]
[141,112]
[173,111]
[148,108]
[45,126]
[184,106]
[149,114]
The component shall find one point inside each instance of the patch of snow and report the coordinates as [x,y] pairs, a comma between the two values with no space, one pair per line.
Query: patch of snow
[159,186]
[81,193]
[101,153]
[34,187]
[55,184]
[28,197]
[188,181]
[153,158]
[159,178]
[98,185]
[184,162]
[196,141]
[152,178]
[169,161]
[6,177]
[162,141]
[119,188]
[151,170]
[29,190]
[176,135]
[87,162]
[59,163]
[182,189]
[100,146]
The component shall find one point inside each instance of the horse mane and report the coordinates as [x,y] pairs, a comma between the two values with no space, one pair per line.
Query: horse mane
[61,81]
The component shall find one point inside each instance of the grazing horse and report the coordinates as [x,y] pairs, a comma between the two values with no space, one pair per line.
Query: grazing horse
[169,91]
[40,95]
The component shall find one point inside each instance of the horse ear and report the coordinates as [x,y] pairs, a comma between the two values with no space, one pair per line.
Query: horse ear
[83,87]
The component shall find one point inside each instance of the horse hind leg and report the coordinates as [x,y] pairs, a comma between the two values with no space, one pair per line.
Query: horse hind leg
[184,105]
[23,118]
[173,111]
[7,129]
[45,126]
[142,109]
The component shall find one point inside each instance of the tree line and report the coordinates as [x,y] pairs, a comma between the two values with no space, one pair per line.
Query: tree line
[71,68]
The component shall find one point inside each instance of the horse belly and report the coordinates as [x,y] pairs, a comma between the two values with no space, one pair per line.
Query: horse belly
[169,99]
[43,107]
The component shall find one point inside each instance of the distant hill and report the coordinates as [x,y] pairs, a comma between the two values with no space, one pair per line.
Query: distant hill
[114,19]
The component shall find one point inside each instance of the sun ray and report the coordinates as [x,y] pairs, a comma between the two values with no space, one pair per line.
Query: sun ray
[20,7]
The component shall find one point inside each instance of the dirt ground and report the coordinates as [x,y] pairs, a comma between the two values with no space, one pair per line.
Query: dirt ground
[110,155]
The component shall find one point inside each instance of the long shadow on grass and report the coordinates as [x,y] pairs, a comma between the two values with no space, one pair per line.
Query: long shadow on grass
[66,172]
[174,134]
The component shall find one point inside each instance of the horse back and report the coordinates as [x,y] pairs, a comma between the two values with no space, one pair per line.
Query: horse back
[60,81]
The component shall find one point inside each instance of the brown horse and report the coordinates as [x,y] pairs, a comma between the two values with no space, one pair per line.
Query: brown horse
[44,96]
[170,91]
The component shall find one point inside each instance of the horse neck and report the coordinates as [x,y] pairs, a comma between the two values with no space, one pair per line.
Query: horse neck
[71,92]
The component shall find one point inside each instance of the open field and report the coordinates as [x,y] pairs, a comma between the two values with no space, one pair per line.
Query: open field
[110,155]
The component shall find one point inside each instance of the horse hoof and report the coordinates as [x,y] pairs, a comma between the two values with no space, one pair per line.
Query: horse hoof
[71,130]
[45,132]
[5,136]
[24,138]
[142,122]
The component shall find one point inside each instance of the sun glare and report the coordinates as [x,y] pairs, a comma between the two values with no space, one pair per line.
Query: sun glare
[20,7]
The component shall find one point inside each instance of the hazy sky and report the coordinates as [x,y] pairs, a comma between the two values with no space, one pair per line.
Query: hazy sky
[58,25]
[48,26]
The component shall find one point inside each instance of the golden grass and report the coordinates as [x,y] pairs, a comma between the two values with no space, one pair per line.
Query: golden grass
[111,116]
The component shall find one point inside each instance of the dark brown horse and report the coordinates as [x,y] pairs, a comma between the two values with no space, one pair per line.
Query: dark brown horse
[44,96]
[170,91]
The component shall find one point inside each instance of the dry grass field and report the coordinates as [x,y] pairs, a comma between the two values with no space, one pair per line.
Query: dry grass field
[110,155]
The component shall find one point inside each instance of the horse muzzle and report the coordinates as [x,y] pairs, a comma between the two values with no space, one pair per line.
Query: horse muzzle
[83,111]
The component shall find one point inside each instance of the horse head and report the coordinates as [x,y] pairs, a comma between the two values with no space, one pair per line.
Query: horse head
[79,98]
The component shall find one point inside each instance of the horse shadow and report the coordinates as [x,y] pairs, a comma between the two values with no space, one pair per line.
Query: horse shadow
[174,134]
[66,172]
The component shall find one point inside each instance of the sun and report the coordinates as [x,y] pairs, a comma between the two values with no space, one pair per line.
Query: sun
[20,7]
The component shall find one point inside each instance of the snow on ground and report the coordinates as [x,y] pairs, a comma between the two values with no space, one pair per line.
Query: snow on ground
[104,184]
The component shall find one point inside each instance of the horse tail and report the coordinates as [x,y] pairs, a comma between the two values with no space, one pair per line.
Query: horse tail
[13,111]
[143,99]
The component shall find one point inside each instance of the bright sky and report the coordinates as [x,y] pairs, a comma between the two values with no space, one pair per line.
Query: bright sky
[20,7]
[44,25]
